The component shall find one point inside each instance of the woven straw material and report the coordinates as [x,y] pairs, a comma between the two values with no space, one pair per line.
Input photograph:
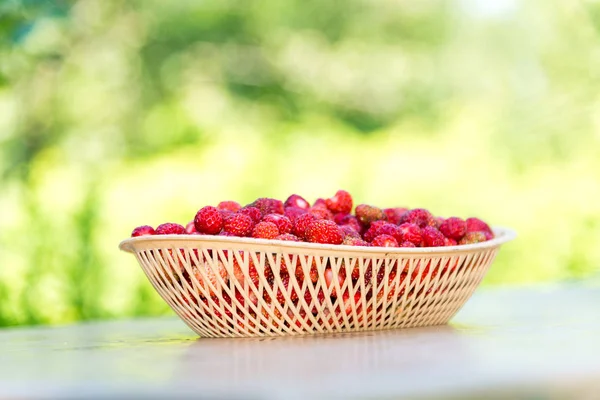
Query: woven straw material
[240,287]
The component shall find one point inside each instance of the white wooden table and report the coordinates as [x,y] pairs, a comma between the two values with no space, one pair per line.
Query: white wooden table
[538,343]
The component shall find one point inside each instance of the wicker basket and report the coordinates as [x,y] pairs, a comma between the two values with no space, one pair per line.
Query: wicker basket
[240,287]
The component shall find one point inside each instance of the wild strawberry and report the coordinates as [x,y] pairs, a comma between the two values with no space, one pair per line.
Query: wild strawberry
[384,241]
[450,242]
[321,213]
[473,237]
[454,228]
[477,225]
[373,230]
[279,294]
[407,244]
[170,229]
[210,278]
[347,220]
[394,214]
[410,233]
[324,231]
[330,276]
[288,237]
[268,206]
[297,201]
[368,272]
[354,241]
[265,230]
[143,230]
[209,220]
[293,212]
[320,203]
[252,212]
[313,273]
[418,216]
[366,214]
[341,202]
[392,230]
[432,237]
[284,225]
[190,228]
[350,231]
[438,222]
[232,206]
[238,224]
[301,223]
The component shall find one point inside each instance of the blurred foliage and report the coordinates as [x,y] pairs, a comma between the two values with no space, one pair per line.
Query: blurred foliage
[120,113]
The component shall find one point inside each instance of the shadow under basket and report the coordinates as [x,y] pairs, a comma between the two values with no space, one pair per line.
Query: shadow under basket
[242,287]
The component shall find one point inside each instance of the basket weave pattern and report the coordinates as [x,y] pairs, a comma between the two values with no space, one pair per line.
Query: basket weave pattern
[235,287]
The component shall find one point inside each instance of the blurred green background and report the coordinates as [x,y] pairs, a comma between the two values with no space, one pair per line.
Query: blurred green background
[116,113]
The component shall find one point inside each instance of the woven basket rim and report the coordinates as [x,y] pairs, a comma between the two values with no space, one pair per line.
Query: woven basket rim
[132,245]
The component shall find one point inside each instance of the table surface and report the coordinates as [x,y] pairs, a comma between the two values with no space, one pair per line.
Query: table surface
[536,342]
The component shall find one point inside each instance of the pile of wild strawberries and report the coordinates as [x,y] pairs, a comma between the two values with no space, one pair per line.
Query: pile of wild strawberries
[329,221]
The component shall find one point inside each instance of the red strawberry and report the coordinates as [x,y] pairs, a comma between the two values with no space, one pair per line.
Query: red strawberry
[268,206]
[229,206]
[450,242]
[392,230]
[143,230]
[283,223]
[348,220]
[209,220]
[354,241]
[432,237]
[418,216]
[301,223]
[288,237]
[373,230]
[265,230]
[438,222]
[293,212]
[411,233]
[329,277]
[190,228]
[341,202]
[324,231]
[170,229]
[473,237]
[321,213]
[314,274]
[206,273]
[297,201]
[384,241]
[320,203]
[238,224]
[253,213]
[366,214]
[394,214]
[477,225]
[350,231]
[454,228]
[279,294]
[407,244]
[318,302]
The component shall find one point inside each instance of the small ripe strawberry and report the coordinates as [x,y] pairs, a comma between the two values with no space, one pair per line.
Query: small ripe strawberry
[432,237]
[252,212]
[279,291]
[209,220]
[268,206]
[355,241]
[210,278]
[265,230]
[439,221]
[341,202]
[454,228]
[143,230]
[297,201]
[418,216]
[368,274]
[473,237]
[407,244]
[373,230]
[232,206]
[288,237]
[283,223]
[324,231]
[384,241]
[392,230]
[313,273]
[301,223]
[190,228]
[238,224]
[170,229]
[320,203]
[321,213]
[394,214]
[350,231]
[366,214]
[477,225]
[450,242]
[411,233]
[293,212]
[330,276]
[347,220]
